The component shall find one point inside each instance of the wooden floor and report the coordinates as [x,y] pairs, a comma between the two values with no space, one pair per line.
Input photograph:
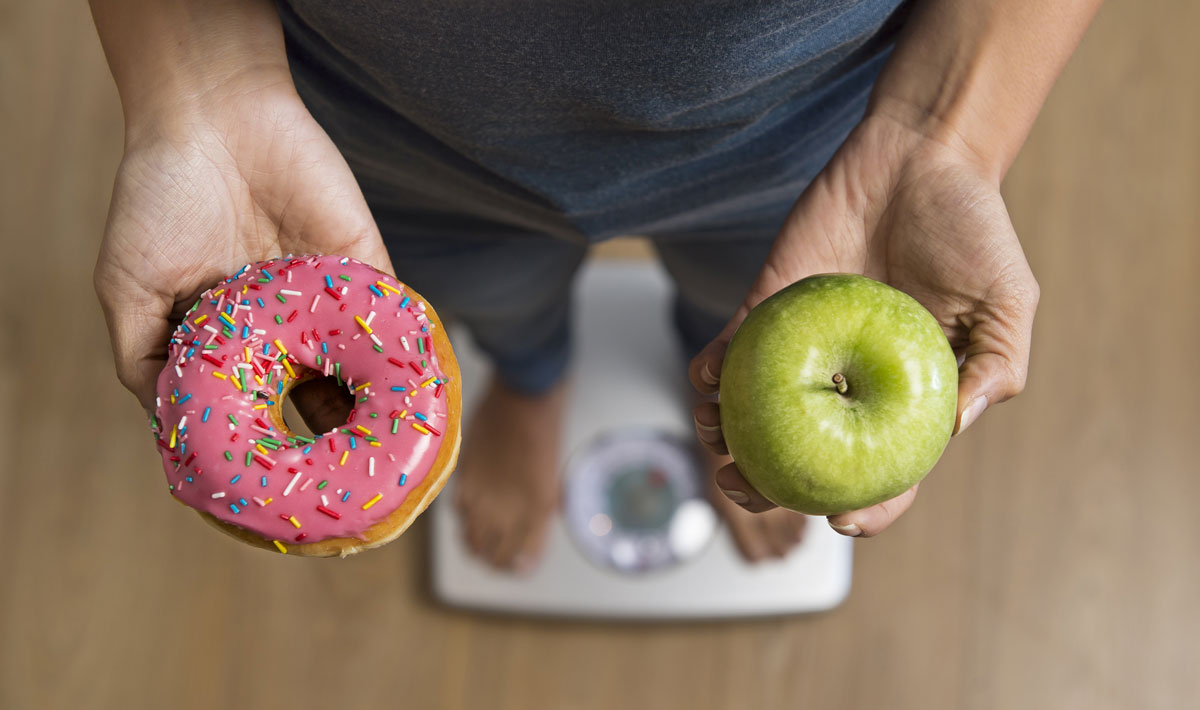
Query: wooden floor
[1052,560]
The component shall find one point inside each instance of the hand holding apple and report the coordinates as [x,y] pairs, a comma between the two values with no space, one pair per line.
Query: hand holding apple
[927,218]
[837,393]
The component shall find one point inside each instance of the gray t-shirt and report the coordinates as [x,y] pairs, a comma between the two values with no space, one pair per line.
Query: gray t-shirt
[587,118]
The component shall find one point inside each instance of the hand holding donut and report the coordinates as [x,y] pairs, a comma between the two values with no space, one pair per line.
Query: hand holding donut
[225,171]
[223,166]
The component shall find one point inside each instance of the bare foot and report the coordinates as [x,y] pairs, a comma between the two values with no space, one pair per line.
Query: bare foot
[758,536]
[507,484]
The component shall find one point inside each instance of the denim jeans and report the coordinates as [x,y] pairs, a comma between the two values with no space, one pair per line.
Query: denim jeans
[495,140]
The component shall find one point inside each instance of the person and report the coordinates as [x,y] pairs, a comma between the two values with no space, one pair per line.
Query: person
[480,147]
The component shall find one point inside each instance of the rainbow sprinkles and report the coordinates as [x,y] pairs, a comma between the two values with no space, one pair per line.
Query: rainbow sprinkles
[245,343]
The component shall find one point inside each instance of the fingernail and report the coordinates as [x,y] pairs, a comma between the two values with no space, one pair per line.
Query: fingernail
[707,375]
[738,497]
[971,413]
[849,529]
[711,434]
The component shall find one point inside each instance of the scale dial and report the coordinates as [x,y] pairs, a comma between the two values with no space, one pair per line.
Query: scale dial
[635,501]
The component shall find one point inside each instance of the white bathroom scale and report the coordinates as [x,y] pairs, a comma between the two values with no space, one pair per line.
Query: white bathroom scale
[636,538]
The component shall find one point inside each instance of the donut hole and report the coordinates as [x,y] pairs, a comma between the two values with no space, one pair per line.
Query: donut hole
[317,406]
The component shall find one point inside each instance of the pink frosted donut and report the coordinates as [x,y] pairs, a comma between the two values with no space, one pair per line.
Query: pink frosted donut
[239,350]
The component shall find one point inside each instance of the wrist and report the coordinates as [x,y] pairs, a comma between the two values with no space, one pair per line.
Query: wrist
[179,105]
[897,143]
[973,74]
[175,60]
[930,132]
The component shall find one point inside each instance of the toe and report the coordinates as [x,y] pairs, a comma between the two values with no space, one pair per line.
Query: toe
[462,498]
[773,539]
[495,539]
[777,540]
[747,536]
[474,534]
[798,524]
[531,548]
[508,544]
[781,531]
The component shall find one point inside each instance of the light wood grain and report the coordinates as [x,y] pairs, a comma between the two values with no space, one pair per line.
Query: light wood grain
[1050,562]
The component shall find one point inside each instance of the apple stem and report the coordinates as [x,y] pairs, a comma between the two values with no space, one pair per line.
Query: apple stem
[840,381]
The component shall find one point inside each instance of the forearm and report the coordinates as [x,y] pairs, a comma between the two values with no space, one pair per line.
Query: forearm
[974,73]
[169,53]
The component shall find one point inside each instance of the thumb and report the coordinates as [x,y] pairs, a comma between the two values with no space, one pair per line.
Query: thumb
[366,245]
[325,212]
[347,230]
[997,354]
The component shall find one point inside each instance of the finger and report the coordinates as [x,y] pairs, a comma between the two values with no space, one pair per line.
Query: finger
[785,265]
[368,248]
[356,237]
[138,328]
[704,371]
[738,489]
[875,519]
[997,354]
[793,256]
[325,212]
[707,417]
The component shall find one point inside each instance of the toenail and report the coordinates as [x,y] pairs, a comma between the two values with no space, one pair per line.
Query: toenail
[738,497]
[523,564]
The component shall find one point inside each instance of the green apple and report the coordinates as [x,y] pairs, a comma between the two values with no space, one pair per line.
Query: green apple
[837,392]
